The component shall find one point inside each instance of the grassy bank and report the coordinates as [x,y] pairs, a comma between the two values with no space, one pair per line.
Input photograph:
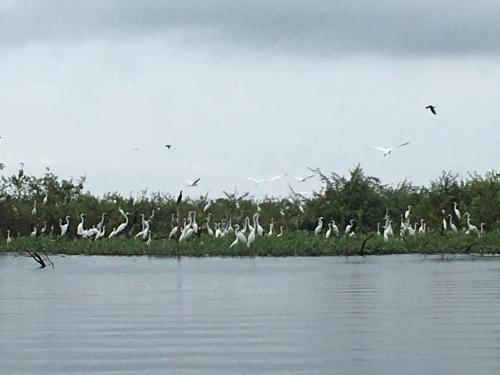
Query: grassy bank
[298,243]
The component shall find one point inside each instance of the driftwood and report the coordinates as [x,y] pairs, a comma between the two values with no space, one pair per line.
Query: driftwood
[38,259]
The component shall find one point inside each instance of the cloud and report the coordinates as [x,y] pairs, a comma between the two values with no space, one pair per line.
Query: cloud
[307,27]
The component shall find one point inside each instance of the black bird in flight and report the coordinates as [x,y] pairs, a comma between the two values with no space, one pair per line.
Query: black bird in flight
[168,146]
[432,109]
[179,198]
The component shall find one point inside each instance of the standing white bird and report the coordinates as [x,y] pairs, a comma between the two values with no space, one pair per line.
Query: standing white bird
[319,227]
[453,227]
[123,225]
[407,213]
[443,221]
[335,229]
[64,227]
[471,228]
[195,224]
[101,223]
[253,232]
[193,183]
[387,151]
[457,212]
[9,238]
[482,229]
[101,234]
[45,199]
[329,231]
[240,237]
[207,206]
[350,227]
[33,211]
[79,229]
[260,230]
[271,225]
[280,234]
[209,230]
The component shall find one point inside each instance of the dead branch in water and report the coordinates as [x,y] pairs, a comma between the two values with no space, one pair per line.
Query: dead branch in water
[38,259]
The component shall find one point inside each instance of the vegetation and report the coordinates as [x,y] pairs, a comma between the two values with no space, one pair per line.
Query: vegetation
[363,198]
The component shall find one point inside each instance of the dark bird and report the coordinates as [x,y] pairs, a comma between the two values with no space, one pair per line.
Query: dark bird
[179,198]
[432,109]
[168,146]
[21,170]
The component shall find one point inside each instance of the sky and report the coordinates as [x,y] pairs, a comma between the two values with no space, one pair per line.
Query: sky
[244,89]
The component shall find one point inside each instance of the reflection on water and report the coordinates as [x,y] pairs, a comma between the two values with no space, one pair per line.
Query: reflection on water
[139,315]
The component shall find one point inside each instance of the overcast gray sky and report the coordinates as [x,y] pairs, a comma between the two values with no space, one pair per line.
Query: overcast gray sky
[245,88]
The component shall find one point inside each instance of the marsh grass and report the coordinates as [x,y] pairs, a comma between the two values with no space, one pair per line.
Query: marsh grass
[298,243]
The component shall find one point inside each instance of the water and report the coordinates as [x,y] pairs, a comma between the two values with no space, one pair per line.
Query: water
[139,315]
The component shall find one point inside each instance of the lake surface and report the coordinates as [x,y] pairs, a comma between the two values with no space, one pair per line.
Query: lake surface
[140,315]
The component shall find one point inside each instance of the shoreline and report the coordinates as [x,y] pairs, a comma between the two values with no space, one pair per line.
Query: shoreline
[298,243]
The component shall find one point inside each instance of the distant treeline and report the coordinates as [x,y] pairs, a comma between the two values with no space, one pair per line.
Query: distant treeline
[357,196]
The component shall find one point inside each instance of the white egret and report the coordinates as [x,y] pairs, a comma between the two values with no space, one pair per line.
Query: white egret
[421,229]
[329,231]
[64,227]
[207,206]
[471,228]
[33,232]
[443,220]
[45,199]
[193,183]
[209,230]
[195,224]
[319,227]
[123,225]
[335,229]
[260,230]
[256,181]
[280,234]
[101,234]
[350,227]
[253,232]
[388,232]
[276,178]
[9,238]
[482,229]
[79,229]
[387,151]
[304,179]
[453,227]
[240,237]
[457,212]
[271,225]
[33,211]
[407,213]
[101,223]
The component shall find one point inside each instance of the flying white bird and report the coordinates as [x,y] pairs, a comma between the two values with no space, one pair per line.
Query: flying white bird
[256,181]
[387,151]
[193,183]
[304,179]
[276,178]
